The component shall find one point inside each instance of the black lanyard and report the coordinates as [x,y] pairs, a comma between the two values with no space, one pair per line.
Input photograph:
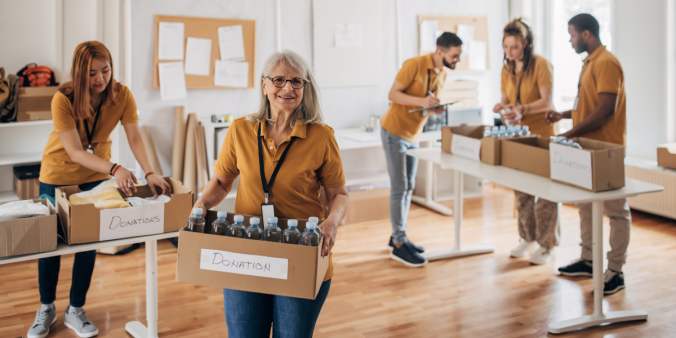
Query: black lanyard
[428,81]
[90,135]
[266,184]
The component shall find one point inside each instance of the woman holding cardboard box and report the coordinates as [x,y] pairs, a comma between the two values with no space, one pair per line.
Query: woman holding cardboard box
[527,94]
[287,133]
[85,112]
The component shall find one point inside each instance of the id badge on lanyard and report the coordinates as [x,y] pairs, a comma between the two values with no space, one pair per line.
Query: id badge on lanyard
[267,207]
[90,135]
[90,150]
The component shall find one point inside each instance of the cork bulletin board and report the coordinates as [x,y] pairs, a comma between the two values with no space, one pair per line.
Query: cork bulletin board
[450,24]
[207,28]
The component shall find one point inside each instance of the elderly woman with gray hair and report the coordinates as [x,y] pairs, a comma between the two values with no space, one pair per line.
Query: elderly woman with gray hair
[287,134]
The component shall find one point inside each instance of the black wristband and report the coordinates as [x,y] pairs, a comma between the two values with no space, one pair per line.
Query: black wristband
[111,169]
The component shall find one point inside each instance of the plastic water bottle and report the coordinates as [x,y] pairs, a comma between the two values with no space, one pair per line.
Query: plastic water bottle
[487,131]
[525,131]
[238,230]
[510,131]
[310,236]
[196,222]
[291,235]
[254,230]
[573,144]
[495,133]
[503,132]
[316,220]
[272,232]
[220,226]
[517,130]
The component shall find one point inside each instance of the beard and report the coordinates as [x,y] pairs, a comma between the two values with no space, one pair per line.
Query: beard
[448,65]
[581,47]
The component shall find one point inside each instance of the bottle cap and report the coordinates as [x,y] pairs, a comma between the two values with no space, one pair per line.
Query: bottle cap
[222,214]
[272,220]
[310,225]
[239,218]
[254,221]
[292,223]
[525,128]
[313,219]
[197,211]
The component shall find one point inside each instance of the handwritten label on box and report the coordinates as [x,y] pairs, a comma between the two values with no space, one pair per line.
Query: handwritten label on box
[571,165]
[466,147]
[252,265]
[131,222]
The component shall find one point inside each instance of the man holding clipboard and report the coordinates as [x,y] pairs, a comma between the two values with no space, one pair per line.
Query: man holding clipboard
[415,86]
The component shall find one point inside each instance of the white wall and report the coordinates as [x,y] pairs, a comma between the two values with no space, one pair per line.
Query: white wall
[343,107]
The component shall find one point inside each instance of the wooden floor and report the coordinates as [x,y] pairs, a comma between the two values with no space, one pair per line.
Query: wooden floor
[488,295]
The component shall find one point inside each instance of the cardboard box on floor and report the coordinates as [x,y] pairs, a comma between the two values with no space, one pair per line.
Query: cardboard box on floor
[527,154]
[470,143]
[249,265]
[666,155]
[598,166]
[35,103]
[85,223]
[29,235]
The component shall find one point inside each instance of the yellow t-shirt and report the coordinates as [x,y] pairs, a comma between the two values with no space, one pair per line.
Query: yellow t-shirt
[57,167]
[541,77]
[414,75]
[313,160]
[602,73]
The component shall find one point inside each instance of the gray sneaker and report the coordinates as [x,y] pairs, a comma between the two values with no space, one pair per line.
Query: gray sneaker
[44,319]
[80,323]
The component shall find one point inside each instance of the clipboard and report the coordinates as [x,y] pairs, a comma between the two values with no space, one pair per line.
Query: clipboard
[432,107]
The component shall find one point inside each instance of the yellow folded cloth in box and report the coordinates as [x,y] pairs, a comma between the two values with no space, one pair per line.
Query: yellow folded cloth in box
[104,198]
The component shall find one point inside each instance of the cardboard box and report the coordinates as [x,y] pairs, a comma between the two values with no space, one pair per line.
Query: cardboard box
[263,267]
[666,155]
[26,184]
[367,205]
[471,143]
[29,235]
[527,154]
[85,223]
[35,103]
[598,166]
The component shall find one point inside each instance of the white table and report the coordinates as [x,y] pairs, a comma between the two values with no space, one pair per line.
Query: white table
[135,328]
[549,190]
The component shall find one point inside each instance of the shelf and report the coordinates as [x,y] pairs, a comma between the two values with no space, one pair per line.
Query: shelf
[20,158]
[26,123]
[365,176]
[215,124]
[8,196]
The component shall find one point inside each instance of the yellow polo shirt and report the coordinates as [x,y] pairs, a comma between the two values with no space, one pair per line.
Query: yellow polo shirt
[541,77]
[57,167]
[413,75]
[313,160]
[602,73]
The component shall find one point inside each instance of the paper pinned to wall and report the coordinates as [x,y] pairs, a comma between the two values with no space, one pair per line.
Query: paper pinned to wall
[198,56]
[231,74]
[466,34]
[170,46]
[428,35]
[477,55]
[349,35]
[172,81]
[231,43]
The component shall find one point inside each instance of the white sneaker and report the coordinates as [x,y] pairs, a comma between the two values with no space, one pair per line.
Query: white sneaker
[523,250]
[78,321]
[542,256]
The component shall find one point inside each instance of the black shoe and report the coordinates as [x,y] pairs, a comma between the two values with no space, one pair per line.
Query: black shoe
[407,254]
[417,248]
[613,281]
[578,268]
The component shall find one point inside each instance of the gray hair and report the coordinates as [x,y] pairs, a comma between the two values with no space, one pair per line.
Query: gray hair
[309,108]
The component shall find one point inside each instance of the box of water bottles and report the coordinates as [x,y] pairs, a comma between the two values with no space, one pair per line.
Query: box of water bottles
[480,143]
[527,154]
[585,163]
[279,256]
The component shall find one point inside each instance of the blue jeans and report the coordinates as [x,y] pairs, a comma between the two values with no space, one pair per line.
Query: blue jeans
[402,169]
[250,314]
[83,266]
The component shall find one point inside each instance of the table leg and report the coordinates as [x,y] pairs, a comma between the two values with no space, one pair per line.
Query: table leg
[136,328]
[458,250]
[598,317]
[428,200]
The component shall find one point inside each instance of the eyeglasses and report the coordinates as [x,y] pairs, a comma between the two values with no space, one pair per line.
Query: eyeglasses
[280,82]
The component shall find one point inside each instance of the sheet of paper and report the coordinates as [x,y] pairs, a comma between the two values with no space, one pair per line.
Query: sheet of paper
[170,41]
[131,222]
[466,147]
[231,43]
[231,74]
[349,35]
[570,165]
[252,265]
[466,34]
[172,81]
[428,35]
[198,56]
[477,55]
